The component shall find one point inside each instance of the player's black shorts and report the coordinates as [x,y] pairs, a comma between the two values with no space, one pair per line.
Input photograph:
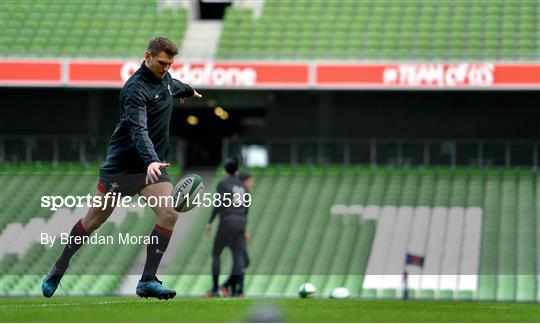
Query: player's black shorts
[231,233]
[127,184]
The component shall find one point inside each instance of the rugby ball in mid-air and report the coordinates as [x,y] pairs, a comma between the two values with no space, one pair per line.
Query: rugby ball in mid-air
[191,185]
[306,290]
[340,293]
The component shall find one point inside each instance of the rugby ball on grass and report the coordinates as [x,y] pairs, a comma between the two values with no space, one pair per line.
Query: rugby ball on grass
[190,184]
[340,293]
[306,290]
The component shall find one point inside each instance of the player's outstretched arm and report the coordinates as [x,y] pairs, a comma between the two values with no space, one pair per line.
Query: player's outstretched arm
[195,94]
[216,210]
[183,90]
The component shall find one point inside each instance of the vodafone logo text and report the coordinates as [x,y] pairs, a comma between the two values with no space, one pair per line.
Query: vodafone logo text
[207,74]
[442,75]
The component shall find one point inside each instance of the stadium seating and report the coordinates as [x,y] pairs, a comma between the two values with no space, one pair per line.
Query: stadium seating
[85,28]
[452,214]
[93,273]
[24,184]
[383,30]
[477,227]
[24,264]
[288,29]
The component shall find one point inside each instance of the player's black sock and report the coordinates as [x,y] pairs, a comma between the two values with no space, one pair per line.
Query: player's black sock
[155,251]
[240,285]
[234,280]
[215,281]
[78,232]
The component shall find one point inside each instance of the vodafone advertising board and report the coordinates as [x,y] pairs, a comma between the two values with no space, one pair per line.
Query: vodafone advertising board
[203,75]
[271,75]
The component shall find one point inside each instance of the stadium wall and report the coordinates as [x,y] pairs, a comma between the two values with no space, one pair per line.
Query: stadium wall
[274,114]
[407,114]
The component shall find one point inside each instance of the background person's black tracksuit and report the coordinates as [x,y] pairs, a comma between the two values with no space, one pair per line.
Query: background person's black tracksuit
[231,230]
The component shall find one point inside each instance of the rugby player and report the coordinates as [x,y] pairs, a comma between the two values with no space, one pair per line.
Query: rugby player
[136,162]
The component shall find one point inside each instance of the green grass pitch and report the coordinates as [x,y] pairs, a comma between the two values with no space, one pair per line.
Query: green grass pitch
[132,309]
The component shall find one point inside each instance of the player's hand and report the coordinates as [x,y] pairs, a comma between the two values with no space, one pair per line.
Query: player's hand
[153,171]
[195,94]
[247,237]
[208,229]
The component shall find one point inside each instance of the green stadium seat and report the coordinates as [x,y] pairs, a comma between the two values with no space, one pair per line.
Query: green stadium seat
[468,24]
[446,294]
[81,24]
[326,249]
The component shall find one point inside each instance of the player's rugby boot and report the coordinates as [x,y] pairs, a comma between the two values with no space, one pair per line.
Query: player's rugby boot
[225,290]
[155,289]
[51,281]
[212,294]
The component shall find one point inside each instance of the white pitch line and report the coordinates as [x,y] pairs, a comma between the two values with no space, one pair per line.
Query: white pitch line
[62,304]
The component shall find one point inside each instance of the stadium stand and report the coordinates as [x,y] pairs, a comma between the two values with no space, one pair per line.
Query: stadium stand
[94,274]
[25,183]
[288,29]
[449,218]
[23,264]
[383,30]
[86,29]
[342,226]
